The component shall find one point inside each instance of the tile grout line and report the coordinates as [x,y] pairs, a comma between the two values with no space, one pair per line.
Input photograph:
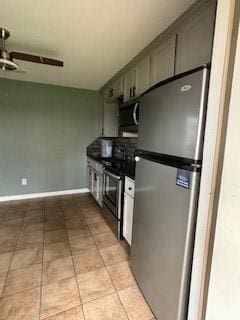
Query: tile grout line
[95,299]
[111,279]
[13,252]
[116,291]
[24,248]
[64,278]
[20,292]
[41,285]
[84,313]
[71,253]
[74,270]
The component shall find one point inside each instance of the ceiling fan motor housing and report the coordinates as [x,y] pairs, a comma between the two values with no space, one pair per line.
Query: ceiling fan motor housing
[5,60]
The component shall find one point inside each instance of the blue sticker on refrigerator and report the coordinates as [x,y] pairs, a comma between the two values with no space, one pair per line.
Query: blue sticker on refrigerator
[183,178]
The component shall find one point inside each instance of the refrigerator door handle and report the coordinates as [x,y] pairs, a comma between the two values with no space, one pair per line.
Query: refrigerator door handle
[135,113]
[196,166]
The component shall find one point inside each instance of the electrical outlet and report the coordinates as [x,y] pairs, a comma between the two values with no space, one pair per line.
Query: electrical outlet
[24,181]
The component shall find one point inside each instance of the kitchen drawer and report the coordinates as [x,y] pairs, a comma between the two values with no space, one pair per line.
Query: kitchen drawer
[129,186]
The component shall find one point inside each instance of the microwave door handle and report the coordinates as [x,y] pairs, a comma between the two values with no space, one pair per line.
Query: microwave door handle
[135,113]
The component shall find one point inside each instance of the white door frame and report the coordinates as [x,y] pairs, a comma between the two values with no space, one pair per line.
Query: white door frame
[211,155]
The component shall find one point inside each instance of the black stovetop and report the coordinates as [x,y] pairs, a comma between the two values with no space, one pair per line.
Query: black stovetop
[118,166]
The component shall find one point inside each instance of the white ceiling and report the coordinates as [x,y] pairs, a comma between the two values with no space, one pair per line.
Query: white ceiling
[95,38]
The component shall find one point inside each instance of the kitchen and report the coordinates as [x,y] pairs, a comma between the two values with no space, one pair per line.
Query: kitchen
[124,240]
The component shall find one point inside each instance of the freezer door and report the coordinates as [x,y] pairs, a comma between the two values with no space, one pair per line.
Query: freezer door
[172,117]
[163,229]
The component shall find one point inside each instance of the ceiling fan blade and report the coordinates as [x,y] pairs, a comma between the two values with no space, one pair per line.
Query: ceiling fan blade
[36,59]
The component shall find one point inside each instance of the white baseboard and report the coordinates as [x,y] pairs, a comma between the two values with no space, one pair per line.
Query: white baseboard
[43,194]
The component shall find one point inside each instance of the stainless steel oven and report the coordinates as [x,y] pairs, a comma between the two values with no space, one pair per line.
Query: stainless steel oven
[113,201]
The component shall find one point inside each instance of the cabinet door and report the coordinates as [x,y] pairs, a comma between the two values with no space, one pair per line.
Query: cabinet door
[163,61]
[109,93]
[100,189]
[142,75]
[195,40]
[91,178]
[94,184]
[128,218]
[97,186]
[118,87]
[114,90]
[101,113]
[110,120]
[129,83]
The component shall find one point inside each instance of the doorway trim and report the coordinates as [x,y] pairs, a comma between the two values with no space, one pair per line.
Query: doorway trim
[224,47]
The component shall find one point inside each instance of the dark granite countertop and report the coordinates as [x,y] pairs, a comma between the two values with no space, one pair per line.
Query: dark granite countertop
[117,166]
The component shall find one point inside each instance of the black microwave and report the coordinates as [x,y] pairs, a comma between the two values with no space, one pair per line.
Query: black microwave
[128,116]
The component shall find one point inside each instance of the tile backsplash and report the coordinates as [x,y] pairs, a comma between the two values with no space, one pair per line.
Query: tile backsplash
[129,144]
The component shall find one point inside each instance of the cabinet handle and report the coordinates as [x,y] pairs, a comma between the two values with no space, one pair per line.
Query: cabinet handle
[134,91]
[129,188]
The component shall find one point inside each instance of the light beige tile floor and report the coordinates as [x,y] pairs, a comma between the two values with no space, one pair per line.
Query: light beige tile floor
[59,260]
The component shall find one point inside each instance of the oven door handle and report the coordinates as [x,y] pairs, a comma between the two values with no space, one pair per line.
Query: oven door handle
[107,173]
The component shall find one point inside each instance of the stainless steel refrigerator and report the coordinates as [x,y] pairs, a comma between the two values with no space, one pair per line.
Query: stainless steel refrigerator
[168,169]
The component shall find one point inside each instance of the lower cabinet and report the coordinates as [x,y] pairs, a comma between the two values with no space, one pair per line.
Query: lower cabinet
[128,218]
[99,188]
[128,210]
[95,181]
[96,186]
[90,179]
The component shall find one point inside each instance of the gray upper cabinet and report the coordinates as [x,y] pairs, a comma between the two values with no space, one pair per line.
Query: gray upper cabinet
[109,93]
[163,61]
[186,45]
[118,87]
[136,79]
[130,84]
[108,115]
[114,90]
[110,108]
[195,39]
[142,75]
[110,120]
[101,100]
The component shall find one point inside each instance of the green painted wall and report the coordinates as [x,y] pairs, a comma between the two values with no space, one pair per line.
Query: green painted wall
[44,132]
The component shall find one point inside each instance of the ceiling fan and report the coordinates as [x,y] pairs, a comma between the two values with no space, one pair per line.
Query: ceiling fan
[7,58]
